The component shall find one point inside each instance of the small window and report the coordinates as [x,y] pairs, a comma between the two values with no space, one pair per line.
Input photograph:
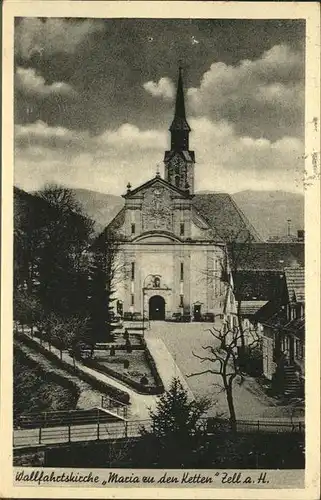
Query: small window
[182,271]
[182,229]
[133,271]
[177,179]
[133,228]
[132,299]
[181,301]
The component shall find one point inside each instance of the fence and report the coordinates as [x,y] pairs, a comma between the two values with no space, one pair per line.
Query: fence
[115,406]
[63,417]
[99,427]
[96,431]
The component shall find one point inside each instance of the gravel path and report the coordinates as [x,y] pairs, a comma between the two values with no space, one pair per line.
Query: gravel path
[184,339]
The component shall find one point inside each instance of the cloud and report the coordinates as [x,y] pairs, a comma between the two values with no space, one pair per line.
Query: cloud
[130,136]
[106,162]
[163,88]
[33,35]
[263,96]
[41,135]
[27,80]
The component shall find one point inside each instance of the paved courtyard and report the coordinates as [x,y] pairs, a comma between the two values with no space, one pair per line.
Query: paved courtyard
[182,340]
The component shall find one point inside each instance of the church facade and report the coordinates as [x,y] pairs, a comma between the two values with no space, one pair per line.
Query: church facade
[173,240]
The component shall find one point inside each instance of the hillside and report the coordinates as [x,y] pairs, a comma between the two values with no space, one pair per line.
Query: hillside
[100,207]
[268,211]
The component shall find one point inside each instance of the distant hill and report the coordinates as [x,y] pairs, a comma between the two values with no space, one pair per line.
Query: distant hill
[268,211]
[100,207]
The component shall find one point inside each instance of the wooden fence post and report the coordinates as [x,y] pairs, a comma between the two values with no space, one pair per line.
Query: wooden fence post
[258,425]
[69,432]
[98,436]
[40,434]
[126,429]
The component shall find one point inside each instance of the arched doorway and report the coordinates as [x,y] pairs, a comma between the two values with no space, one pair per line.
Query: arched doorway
[156,308]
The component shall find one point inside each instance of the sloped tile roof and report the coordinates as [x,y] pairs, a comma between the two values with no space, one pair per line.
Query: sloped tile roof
[224,217]
[279,321]
[295,282]
[270,256]
[259,285]
[250,307]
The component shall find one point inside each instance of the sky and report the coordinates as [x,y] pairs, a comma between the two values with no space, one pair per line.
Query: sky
[94,99]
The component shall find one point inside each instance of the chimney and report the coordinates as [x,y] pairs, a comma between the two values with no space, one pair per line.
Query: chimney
[301,234]
[289,227]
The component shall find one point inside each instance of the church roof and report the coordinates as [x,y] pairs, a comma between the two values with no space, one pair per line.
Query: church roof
[224,217]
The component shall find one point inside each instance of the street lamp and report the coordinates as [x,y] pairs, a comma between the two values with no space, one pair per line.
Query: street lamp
[143,297]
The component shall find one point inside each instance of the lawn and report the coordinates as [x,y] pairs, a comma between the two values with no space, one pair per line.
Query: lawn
[138,364]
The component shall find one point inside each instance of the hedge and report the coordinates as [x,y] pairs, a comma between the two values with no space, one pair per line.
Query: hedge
[50,375]
[140,388]
[100,386]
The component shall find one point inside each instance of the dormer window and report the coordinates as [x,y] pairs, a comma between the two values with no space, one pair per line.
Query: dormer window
[133,228]
[182,229]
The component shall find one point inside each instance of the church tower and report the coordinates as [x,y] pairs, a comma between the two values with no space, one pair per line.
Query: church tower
[179,161]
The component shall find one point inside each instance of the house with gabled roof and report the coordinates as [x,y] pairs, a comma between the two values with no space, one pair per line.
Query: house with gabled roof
[282,322]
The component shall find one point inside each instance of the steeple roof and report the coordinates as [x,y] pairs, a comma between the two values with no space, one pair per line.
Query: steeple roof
[180,122]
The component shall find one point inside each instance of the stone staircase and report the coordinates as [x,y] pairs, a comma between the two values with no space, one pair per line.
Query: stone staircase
[292,383]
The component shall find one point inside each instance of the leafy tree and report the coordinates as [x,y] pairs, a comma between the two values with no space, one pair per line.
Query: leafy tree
[27,309]
[177,436]
[104,269]
[63,262]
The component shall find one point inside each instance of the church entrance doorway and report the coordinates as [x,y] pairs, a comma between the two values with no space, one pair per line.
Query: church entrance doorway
[197,312]
[156,308]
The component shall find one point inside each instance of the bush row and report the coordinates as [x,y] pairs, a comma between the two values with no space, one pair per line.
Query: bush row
[100,386]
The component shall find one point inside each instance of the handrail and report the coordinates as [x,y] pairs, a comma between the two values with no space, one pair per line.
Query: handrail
[99,429]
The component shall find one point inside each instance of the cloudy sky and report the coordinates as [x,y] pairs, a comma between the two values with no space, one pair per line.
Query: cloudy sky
[94,100]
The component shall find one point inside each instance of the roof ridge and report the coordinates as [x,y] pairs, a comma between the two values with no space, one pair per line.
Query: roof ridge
[250,226]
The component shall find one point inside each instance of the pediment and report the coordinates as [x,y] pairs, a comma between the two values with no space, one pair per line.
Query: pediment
[157,184]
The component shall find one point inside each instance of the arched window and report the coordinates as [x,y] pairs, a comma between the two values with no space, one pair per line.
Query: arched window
[177,179]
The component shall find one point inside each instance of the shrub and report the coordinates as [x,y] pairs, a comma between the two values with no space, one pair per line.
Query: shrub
[144,380]
[128,346]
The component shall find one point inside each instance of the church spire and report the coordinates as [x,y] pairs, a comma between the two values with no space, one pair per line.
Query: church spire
[179,127]
[179,160]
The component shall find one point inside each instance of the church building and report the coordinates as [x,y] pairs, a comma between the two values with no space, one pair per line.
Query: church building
[173,240]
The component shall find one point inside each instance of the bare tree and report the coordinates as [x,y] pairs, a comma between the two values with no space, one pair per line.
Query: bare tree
[224,359]
[236,245]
